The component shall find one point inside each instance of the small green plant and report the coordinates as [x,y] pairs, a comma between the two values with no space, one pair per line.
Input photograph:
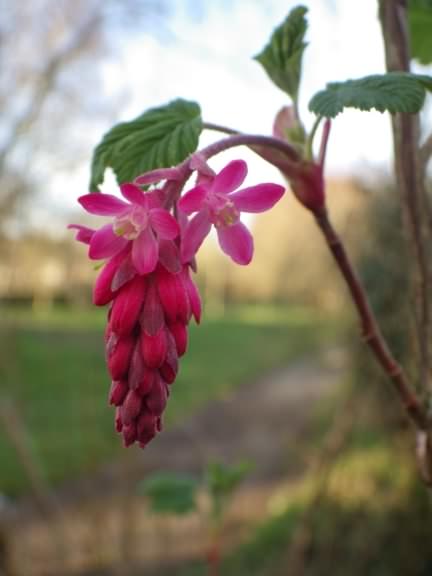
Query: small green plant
[171,493]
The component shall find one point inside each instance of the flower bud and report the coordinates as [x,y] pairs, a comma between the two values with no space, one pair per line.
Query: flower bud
[152,315]
[131,407]
[173,296]
[169,368]
[193,294]
[118,392]
[154,348]
[308,186]
[129,434]
[119,357]
[180,334]
[146,428]
[102,291]
[127,306]
[157,399]
[146,382]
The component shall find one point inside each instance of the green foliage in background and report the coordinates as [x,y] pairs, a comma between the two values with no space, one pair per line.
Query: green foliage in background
[420,27]
[221,482]
[170,493]
[64,402]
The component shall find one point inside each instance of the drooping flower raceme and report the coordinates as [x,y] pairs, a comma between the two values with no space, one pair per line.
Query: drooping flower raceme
[152,299]
[147,281]
[217,202]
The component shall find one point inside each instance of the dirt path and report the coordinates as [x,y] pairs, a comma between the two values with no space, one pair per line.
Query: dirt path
[262,422]
[266,422]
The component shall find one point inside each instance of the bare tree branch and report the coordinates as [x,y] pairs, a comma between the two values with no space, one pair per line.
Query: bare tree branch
[410,177]
[47,79]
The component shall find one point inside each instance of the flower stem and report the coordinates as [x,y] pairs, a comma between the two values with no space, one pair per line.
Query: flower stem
[219,128]
[309,142]
[324,142]
[254,141]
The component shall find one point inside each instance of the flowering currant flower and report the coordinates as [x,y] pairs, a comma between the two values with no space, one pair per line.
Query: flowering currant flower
[152,299]
[217,202]
[141,222]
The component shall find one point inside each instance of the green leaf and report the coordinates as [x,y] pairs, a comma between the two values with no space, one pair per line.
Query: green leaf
[159,138]
[222,481]
[170,493]
[282,57]
[392,92]
[420,27]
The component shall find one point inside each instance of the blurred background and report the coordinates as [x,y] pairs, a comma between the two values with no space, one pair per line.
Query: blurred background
[274,376]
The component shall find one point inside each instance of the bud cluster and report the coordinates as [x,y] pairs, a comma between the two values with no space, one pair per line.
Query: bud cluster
[147,332]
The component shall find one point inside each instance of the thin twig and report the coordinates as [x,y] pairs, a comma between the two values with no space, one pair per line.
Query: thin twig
[324,142]
[410,178]
[46,80]
[370,329]
[219,128]
[425,153]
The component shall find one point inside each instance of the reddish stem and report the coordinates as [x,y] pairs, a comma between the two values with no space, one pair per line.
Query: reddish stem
[324,142]
[370,329]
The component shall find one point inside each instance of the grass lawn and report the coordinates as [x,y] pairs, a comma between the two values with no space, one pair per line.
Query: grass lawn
[52,367]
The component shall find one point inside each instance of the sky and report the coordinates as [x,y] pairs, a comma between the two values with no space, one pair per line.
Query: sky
[203,52]
[209,59]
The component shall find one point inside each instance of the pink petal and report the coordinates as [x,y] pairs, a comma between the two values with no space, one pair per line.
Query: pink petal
[84,233]
[103,290]
[102,204]
[193,293]
[164,224]
[169,256]
[194,235]
[237,242]
[155,198]
[145,252]
[105,243]
[134,194]
[231,177]
[257,198]
[125,272]
[193,200]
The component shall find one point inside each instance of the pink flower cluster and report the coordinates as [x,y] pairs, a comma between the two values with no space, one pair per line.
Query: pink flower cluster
[152,300]
[147,282]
